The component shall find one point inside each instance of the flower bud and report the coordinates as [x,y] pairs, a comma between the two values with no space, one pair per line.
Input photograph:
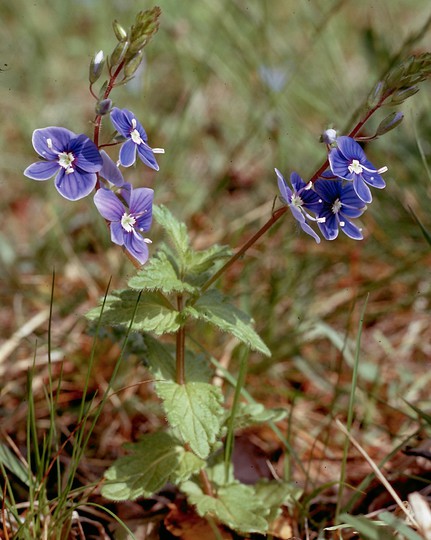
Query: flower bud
[119,53]
[132,65]
[103,106]
[119,31]
[375,95]
[96,67]
[329,136]
[390,122]
[401,95]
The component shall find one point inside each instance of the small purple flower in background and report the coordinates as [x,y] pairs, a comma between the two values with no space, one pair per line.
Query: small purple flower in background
[126,221]
[339,203]
[348,161]
[110,171]
[300,199]
[74,159]
[127,126]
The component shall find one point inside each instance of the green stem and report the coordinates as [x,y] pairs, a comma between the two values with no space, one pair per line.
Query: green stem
[180,347]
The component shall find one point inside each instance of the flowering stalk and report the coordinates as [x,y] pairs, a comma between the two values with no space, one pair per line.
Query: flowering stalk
[281,211]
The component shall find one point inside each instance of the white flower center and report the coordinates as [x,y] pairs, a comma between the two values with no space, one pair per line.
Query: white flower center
[296,201]
[127,222]
[65,160]
[355,167]
[336,206]
[135,136]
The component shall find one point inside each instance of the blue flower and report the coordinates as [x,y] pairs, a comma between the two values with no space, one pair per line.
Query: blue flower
[348,161]
[125,220]
[299,199]
[127,126]
[74,159]
[339,203]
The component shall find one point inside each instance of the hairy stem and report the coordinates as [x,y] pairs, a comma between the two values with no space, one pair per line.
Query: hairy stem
[180,347]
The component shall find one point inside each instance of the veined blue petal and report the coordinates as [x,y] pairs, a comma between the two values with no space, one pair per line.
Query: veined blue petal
[110,171]
[136,246]
[128,153]
[147,156]
[49,142]
[351,230]
[361,188]
[339,164]
[329,228]
[285,191]
[307,229]
[75,185]
[109,205]
[141,206]
[42,170]
[88,158]
[117,233]
[350,149]
[121,121]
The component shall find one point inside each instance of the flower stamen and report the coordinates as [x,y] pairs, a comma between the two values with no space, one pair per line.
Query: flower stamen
[127,222]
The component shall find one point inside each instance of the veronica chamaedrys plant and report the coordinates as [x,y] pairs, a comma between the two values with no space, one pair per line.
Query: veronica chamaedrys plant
[174,290]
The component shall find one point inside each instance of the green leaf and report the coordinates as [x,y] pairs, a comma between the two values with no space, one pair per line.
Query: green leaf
[236,505]
[176,231]
[194,410]
[367,528]
[214,308]
[250,414]
[198,264]
[154,313]
[160,274]
[274,494]
[399,525]
[157,459]
[11,462]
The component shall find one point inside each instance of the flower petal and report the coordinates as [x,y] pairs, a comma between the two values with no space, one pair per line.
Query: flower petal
[109,205]
[117,233]
[147,156]
[372,178]
[361,188]
[351,230]
[128,153]
[42,170]
[75,185]
[110,171]
[329,228]
[136,246]
[307,229]
[58,137]
[141,206]
[122,121]
[339,164]
[88,158]
[296,181]
[351,149]
[285,191]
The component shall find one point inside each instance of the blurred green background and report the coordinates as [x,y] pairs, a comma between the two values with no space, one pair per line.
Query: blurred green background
[231,89]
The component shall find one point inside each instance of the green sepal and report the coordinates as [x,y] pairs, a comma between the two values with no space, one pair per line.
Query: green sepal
[235,505]
[157,459]
[154,313]
[215,309]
